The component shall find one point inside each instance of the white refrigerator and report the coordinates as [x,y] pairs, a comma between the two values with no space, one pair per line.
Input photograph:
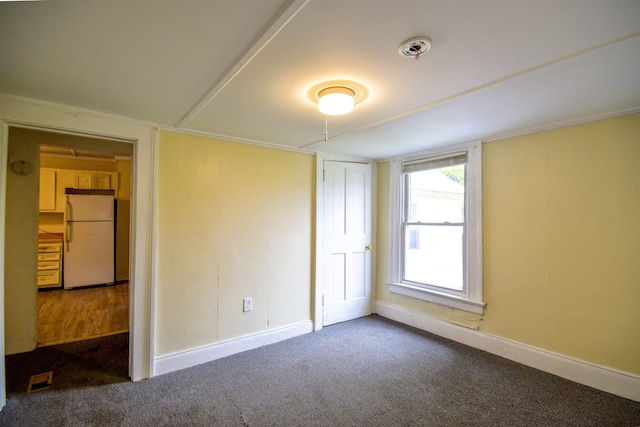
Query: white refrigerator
[89,238]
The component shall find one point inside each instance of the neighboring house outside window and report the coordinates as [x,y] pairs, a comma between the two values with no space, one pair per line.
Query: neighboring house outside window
[436,227]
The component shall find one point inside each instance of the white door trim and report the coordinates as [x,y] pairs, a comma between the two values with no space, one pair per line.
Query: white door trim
[46,116]
[319,277]
[318,312]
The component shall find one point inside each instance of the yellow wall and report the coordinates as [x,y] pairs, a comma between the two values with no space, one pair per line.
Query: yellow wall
[21,248]
[234,221]
[561,242]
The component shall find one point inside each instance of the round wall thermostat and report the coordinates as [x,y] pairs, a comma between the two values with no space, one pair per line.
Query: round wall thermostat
[21,167]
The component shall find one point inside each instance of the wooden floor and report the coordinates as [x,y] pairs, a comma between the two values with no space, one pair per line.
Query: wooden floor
[82,313]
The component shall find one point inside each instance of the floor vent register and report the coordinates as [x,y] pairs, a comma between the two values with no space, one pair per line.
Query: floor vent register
[40,382]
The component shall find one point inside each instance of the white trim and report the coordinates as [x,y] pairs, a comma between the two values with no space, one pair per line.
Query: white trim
[374,231]
[154,256]
[473,90]
[24,112]
[610,380]
[79,112]
[46,108]
[321,157]
[435,297]
[198,355]
[563,124]
[4,140]
[271,30]
[543,128]
[229,138]
[318,311]
[471,298]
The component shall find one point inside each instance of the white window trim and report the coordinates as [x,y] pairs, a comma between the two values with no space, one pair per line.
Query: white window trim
[471,298]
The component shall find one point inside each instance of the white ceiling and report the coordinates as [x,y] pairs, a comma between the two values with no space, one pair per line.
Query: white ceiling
[242,70]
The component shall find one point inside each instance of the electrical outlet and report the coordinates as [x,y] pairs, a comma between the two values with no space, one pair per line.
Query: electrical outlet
[247,304]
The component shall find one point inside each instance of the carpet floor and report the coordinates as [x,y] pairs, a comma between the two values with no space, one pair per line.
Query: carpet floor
[366,372]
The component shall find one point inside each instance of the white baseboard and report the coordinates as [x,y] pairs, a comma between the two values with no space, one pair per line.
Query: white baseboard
[195,356]
[610,380]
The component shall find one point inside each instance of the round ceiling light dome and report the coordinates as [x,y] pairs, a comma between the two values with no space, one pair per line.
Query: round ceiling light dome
[351,92]
[336,100]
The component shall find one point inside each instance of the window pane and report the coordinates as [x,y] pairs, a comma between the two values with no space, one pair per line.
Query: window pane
[433,255]
[436,195]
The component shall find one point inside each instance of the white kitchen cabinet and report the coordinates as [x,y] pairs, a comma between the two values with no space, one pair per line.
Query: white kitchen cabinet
[47,192]
[53,183]
[84,180]
[97,180]
[102,181]
[49,264]
[66,179]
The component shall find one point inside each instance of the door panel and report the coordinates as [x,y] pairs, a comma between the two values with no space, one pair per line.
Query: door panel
[338,282]
[347,219]
[359,271]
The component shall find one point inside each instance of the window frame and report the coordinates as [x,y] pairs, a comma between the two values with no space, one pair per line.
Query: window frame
[470,299]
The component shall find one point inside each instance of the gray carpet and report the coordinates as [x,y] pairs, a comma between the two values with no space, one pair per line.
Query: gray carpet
[366,372]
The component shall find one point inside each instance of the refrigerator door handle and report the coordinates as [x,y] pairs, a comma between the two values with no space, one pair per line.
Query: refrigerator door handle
[67,236]
[67,231]
[67,211]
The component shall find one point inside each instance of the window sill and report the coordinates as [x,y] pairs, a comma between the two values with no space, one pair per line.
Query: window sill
[436,297]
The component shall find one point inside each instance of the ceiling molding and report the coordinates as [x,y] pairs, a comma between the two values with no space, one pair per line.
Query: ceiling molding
[567,123]
[273,27]
[243,71]
[477,88]
[228,138]
[71,111]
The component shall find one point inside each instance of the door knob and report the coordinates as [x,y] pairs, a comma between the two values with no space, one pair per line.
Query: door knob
[367,248]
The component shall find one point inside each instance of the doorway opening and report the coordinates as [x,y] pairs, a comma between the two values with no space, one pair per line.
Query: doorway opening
[72,316]
[64,313]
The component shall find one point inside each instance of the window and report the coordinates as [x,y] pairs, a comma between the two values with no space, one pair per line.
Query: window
[436,227]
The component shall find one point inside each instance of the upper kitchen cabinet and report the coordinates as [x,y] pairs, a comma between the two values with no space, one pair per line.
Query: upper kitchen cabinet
[47,192]
[53,182]
[97,180]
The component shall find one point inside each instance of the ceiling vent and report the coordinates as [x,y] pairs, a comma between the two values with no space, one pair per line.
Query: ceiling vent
[415,46]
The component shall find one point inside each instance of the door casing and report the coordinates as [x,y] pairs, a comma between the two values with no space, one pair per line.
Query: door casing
[22,112]
[317,303]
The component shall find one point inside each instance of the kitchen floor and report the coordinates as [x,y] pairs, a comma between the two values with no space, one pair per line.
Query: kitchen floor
[82,313]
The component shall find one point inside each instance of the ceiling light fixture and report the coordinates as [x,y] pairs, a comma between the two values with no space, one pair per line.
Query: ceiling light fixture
[336,100]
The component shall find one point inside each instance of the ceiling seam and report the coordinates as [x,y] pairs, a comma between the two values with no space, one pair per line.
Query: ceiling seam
[481,87]
[272,29]
[238,140]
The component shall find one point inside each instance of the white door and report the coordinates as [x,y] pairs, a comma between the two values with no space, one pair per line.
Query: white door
[347,241]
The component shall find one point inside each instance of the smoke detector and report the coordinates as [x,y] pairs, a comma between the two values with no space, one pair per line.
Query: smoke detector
[415,46]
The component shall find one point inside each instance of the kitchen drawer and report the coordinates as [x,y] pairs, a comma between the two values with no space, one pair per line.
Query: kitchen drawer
[49,247]
[49,256]
[48,265]
[48,278]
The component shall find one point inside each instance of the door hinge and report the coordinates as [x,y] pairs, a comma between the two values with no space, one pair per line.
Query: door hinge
[323,171]
[323,300]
